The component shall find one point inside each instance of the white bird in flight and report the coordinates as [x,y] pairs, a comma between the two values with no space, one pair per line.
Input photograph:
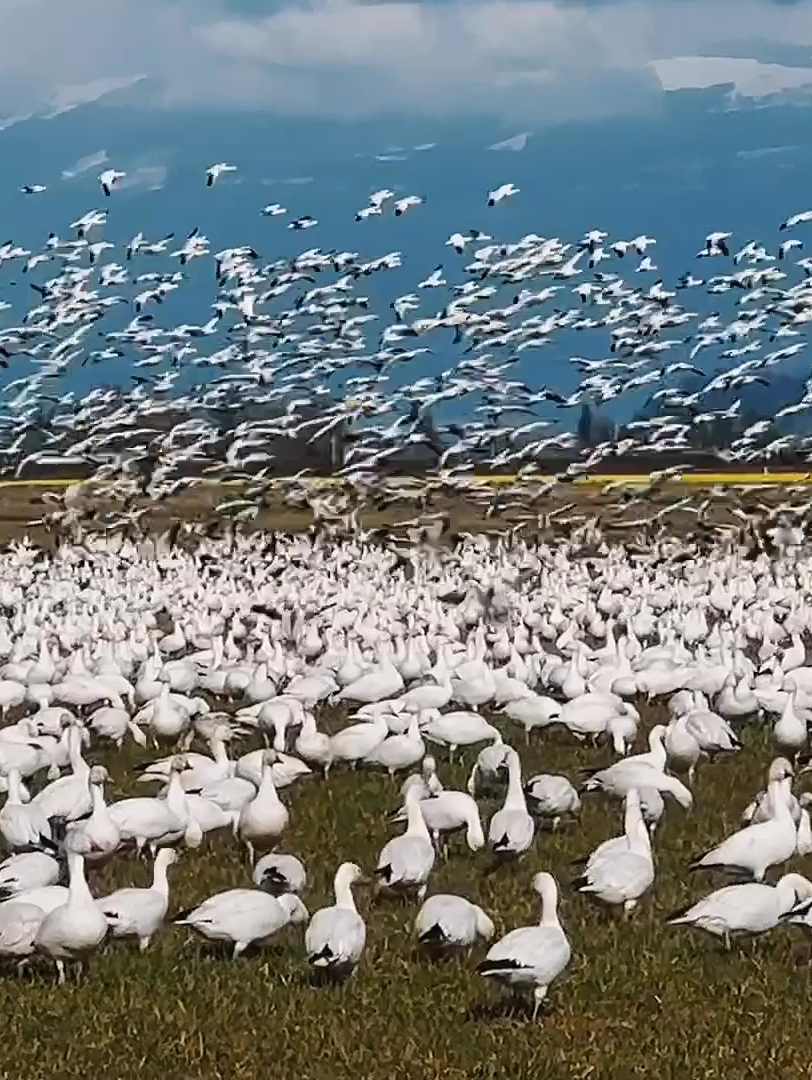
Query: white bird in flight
[504,191]
[214,172]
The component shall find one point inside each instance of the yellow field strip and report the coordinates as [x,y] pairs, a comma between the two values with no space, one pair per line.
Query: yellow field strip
[698,479]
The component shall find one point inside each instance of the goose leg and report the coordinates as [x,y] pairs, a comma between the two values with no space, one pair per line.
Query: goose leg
[539,994]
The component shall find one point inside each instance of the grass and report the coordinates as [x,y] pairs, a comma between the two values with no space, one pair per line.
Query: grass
[639,998]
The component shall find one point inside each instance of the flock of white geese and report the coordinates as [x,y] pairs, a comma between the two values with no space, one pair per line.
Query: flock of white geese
[451,652]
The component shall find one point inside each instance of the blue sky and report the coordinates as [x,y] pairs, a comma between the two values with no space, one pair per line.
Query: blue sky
[672,117]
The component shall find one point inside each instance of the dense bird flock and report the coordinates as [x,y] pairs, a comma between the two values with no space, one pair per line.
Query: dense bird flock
[372,777]
[309,341]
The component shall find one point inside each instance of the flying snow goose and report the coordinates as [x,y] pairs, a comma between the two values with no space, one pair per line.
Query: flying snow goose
[214,172]
[532,957]
[109,178]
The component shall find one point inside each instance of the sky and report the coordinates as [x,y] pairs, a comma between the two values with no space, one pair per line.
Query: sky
[673,117]
[535,60]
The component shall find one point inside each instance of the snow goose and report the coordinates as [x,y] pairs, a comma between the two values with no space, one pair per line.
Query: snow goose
[27,870]
[448,812]
[100,828]
[353,743]
[427,781]
[446,921]
[406,861]
[150,822]
[457,729]
[512,829]
[748,909]
[489,767]
[286,770]
[23,826]
[243,917]
[68,798]
[629,872]
[398,751]
[265,817]
[140,913]
[314,746]
[532,712]
[279,873]
[755,848]
[551,797]
[621,777]
[73,930]
[532,956]
[335,938]
[789,731]
[19,925]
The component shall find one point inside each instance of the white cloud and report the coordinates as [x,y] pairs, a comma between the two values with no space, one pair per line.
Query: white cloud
[144,178]
[531,60]
[90,161]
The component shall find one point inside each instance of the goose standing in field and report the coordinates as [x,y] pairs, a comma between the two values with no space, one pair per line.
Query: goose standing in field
[27,870]
[23,826]
[335,938]
[618,779]
[265,817]
[448,922]
[551,798]
[511,830]
[755,848]
[353,743]
[489,768]
[150,822]
[456,729]
[100,829]
[243,917]
[398,752]
[140,913]
[277,873]
[448,812]
[427,782]
[629,872]
[75,929]
[532,957]
[68,798]
[405,862]
[19,925]
[748,909]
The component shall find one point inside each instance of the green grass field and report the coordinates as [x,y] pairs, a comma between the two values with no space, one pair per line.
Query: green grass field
[639,998]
